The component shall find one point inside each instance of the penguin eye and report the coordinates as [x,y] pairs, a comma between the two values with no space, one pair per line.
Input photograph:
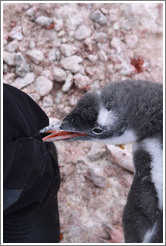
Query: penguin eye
[97,130]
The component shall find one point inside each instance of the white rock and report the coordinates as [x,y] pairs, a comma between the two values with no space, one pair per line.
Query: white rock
[31,11]
[98,17]
[59,74]
[52,55]
[72,63]
[113,17]
[81,81]
[128,70]
[22,82]
[116,44]
[47,73]
[32,44]
[88,43]
[93,58]
[9,78]
[116,25]
[12,46]
[35,55]
[82,32]
[100,37]
[47,101]
[104,11]
[68,50]
[122,156]
[43,21]
[98,177]
[126,25]
[61,34]
[53,121]
[16,33]
[73,21]
[68,83]
[96,152]
[9,58]
[91,70]
[43,85]
[5,68]
[102,56]
[131,40]
[35,96]
[21,65]
[58,55]
[58,24]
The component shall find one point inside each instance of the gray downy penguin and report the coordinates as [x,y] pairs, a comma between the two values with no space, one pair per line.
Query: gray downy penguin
[119,113]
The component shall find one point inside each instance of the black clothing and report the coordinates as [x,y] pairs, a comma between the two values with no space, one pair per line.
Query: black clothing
[31,173]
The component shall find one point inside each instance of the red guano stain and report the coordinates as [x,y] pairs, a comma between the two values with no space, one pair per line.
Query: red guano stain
[51,26]
[137,62]
[61,237]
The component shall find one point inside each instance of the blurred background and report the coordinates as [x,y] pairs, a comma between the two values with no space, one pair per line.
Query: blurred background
[55,52]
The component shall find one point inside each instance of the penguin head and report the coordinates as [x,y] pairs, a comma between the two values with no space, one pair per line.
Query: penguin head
[101,115]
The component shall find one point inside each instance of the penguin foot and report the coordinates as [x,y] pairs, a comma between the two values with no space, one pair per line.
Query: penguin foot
[115,235]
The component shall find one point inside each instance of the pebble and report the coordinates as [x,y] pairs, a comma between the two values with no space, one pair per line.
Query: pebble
[91,70]
[81,81]
[72,63]
[116,44]
[88,43]
[98,17]
[43,21]
[9,78]
[12,46]
[9,58]
[21,65]
[5,68]
[31,11]
[100,37]
[23,82]
[58,24]
[16,33]
[58,55]
[43,86]
[131,40]
[113,17]
[35,55]
[59,74]
[126,25]
[47,73]
[52,55]
[97,152]
[102,56]
[47,101]
[82,32]
[68,50]
[35,96]
[128,70]
[61,34]
[68,83]
[98,177]
[93,58]
[122,157]
[32,44]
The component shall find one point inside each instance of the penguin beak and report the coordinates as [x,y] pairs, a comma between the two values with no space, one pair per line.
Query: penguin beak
[54,133]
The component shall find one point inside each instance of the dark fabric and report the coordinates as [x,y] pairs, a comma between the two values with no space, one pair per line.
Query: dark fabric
[31,173]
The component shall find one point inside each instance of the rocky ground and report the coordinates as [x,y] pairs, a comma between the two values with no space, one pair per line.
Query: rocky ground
[55,52]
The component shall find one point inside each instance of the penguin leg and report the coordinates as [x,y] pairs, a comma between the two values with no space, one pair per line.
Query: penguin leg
[115,235]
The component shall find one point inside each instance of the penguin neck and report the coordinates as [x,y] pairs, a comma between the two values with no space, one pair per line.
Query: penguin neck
[146,120]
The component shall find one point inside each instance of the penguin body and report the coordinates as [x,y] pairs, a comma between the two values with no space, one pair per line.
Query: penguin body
[124,112]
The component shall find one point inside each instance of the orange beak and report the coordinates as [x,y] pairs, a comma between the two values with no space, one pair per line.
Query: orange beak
[60,135]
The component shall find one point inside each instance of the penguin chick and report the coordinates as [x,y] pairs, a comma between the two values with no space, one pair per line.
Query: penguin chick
[119,113]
